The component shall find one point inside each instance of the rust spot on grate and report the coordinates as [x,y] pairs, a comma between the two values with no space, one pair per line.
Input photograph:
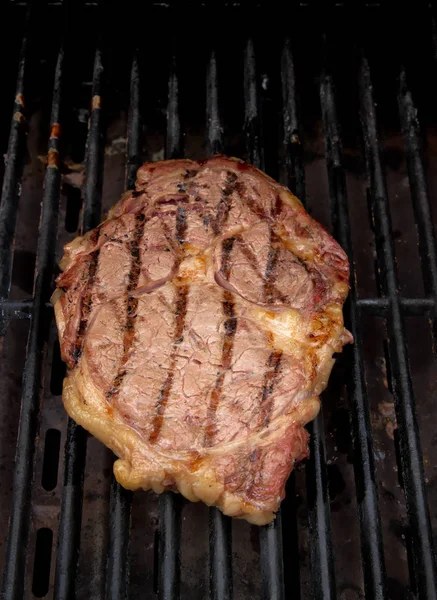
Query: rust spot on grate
[19,99]
[19,117]
[53,159]
[55,131]
[96,102]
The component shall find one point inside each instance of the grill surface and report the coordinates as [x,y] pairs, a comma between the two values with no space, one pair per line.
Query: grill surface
[326,102]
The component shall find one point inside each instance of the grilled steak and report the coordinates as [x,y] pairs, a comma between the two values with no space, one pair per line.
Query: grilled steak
[198,323]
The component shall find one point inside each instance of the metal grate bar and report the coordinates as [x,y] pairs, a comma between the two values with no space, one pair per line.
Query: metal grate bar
[134,133]
[169,546]
[322,567]
[118,544]
[169,503]
[174,142]
[364,464]
[15,564]
[121,499]
[270,535]
[290,538]
[411,307]
[296,182]
[220,526]
[424,575]
[252,121]
[220,555]
[13,170]
[291,127]
[319,517]
[272,562]
[75,446]
[92,209]
[16,309]
[214,142]
[419,188]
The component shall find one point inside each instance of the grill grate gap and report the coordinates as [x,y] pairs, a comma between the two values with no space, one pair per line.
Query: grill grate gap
[41,567]
[58,370]
[52,446]
[74,205]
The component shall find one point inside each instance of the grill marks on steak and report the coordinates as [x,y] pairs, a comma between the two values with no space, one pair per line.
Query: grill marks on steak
[179,317]
[131,301]
[269,275]
[267,399]
[270,292]
[230,327]
[280,278]
[205,311]
[224,205]
[274,361]
[180,314]
[87,299]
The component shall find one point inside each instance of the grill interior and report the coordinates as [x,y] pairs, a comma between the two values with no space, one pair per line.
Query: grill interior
[327,102]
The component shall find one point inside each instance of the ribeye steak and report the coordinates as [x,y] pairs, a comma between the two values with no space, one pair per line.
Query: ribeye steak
[198,323]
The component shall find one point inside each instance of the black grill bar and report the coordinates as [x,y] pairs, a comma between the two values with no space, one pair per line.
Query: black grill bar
[411,307]
[67,552]
[169,503]
[290,538]
[118,545]
[214,129]
[15,564]
[423,576]
[169,546]
[419,188]
[252,121]
[16,309]
[134,132]
[272,562]
[364,464]
[220,555]
[272,568]
[319,516]
[322,567]
[292,139]
[220,526]
[75,446]
[13,170]
[121,499]
[92,208]
[174,142]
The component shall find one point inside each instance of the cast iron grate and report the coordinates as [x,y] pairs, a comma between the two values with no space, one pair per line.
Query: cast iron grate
[279,549]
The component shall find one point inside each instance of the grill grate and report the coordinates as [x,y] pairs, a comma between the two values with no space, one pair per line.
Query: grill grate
[220,529]
[279,547]
[371,541]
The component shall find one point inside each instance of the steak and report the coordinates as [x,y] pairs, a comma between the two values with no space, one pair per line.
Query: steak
[198,323]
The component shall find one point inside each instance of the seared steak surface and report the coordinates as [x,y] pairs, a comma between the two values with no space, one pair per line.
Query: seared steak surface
[198,323]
